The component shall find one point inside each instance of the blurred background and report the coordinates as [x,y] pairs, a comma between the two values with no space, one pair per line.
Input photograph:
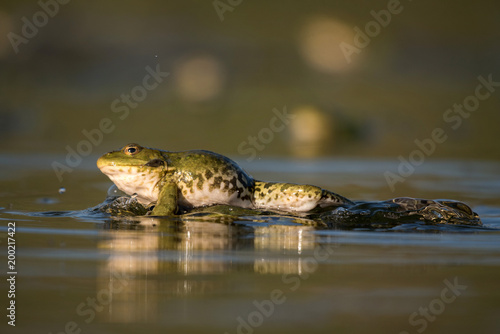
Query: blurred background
[330,93]
[231,63]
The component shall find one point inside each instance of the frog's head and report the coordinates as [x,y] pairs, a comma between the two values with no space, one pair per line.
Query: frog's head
[135,170]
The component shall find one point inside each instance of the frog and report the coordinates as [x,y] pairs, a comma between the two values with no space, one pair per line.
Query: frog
[169,182]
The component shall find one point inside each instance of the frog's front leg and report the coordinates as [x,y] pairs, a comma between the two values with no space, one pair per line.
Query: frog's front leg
[167,201]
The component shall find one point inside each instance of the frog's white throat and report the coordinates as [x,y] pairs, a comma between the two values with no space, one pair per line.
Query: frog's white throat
[135,180]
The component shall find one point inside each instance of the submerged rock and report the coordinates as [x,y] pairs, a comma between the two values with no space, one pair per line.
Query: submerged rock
[403,210]
[122,206]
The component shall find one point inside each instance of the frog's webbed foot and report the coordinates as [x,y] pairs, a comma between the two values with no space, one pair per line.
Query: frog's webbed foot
[167,201]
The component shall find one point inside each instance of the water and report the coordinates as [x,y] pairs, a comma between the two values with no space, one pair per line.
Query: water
[86,273]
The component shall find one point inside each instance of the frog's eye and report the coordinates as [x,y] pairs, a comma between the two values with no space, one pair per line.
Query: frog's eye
[132,149]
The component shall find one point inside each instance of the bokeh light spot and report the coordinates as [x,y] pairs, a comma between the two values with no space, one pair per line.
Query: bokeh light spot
[199,78]
[311,132]
[319,44]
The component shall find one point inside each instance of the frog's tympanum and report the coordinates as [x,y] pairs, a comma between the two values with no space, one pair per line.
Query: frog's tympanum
[182,180]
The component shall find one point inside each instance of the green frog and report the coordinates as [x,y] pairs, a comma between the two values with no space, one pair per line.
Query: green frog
[173,181]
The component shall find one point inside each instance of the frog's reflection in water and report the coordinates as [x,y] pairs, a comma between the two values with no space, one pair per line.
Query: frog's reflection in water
[151,259]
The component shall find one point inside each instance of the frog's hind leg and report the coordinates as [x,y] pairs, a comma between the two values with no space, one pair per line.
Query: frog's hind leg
[329,198]
[294,197]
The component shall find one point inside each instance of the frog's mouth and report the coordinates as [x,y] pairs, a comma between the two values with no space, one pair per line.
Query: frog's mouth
[103,164]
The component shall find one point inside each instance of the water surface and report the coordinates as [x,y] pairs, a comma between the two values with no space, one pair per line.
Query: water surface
[256,274]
